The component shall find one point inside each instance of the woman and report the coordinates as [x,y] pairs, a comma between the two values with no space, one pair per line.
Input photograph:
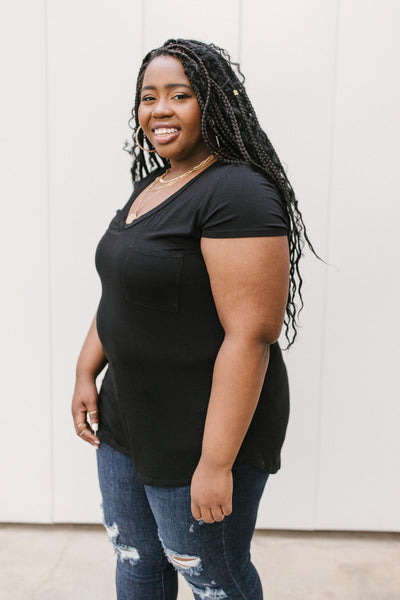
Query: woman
[198,270]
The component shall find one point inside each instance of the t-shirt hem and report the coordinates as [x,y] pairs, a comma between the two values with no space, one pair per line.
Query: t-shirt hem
[270,468]
[162,482]
[107,438]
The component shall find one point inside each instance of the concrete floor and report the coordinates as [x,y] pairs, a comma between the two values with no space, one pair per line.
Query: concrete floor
[75,562]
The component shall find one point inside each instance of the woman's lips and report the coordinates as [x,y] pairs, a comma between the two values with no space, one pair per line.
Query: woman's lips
[165,135]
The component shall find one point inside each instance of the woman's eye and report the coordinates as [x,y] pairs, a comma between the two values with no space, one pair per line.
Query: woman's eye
[181,96]
[147,98]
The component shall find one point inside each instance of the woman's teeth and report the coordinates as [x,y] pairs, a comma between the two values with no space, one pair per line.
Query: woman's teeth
[165,131]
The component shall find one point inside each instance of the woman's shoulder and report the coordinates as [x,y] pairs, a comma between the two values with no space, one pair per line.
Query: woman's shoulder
[242,200]
[236,180]
[235,169]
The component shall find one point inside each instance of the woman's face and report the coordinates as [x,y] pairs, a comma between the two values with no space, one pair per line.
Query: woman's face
[169,112]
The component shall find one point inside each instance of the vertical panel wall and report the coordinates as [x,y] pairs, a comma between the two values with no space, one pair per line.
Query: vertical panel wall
[360,450]
[205,20]
[25,441]
[288,54]
[323,82]
[92,72]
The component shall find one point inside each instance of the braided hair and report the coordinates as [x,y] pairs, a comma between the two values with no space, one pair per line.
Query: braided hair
[231,130]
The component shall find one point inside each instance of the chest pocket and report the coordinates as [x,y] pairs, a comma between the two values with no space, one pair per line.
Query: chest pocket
[152,279]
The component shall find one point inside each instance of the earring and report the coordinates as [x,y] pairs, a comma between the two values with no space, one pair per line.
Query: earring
[137,140]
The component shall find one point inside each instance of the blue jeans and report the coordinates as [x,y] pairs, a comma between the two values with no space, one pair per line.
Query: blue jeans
[155,535]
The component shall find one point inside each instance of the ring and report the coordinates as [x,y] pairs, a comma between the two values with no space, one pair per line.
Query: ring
[92,412]
[83,431]
[82,423]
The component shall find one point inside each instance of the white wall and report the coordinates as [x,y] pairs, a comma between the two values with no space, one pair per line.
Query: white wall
[26,408]
[323,79]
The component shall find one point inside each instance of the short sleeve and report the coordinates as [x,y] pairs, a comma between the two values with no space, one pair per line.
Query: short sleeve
[242,203]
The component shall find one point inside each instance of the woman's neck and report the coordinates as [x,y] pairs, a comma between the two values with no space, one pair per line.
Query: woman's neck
[178,167]
[193,166]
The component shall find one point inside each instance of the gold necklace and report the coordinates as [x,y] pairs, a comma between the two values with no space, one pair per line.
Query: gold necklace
[196,168]
[164,184]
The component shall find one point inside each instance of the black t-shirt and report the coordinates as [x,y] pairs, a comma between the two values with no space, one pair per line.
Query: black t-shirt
[160,330]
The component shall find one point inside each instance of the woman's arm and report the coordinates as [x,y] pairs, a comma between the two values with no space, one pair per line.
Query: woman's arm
[249,281]
[91,361]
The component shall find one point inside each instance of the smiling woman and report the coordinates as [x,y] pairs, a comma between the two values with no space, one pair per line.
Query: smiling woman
[199,272]
[170,117]
[170,114]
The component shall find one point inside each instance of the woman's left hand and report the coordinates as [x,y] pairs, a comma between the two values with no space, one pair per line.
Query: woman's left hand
[211,492]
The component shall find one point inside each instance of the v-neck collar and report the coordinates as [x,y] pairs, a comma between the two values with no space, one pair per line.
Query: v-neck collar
[162,204]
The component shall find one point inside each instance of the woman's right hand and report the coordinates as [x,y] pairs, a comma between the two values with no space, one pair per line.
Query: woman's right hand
[84,410]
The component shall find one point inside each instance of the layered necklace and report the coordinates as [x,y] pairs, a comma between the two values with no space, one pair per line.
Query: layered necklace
[159,184]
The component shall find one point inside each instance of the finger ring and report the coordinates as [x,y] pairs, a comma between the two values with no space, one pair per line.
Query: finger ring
[92,412]
[83,423]
[83,431]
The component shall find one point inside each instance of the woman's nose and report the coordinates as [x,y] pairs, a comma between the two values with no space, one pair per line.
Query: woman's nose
[162,108]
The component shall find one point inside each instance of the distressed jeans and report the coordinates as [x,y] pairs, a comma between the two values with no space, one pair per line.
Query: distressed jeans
[155,535]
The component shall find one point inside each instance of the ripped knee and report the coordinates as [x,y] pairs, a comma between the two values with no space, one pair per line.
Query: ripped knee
[186,564]
[190,566]
[192,563]
[207,593]
[123,552]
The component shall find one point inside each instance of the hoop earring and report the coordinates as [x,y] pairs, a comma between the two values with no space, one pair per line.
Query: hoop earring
[137,140]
